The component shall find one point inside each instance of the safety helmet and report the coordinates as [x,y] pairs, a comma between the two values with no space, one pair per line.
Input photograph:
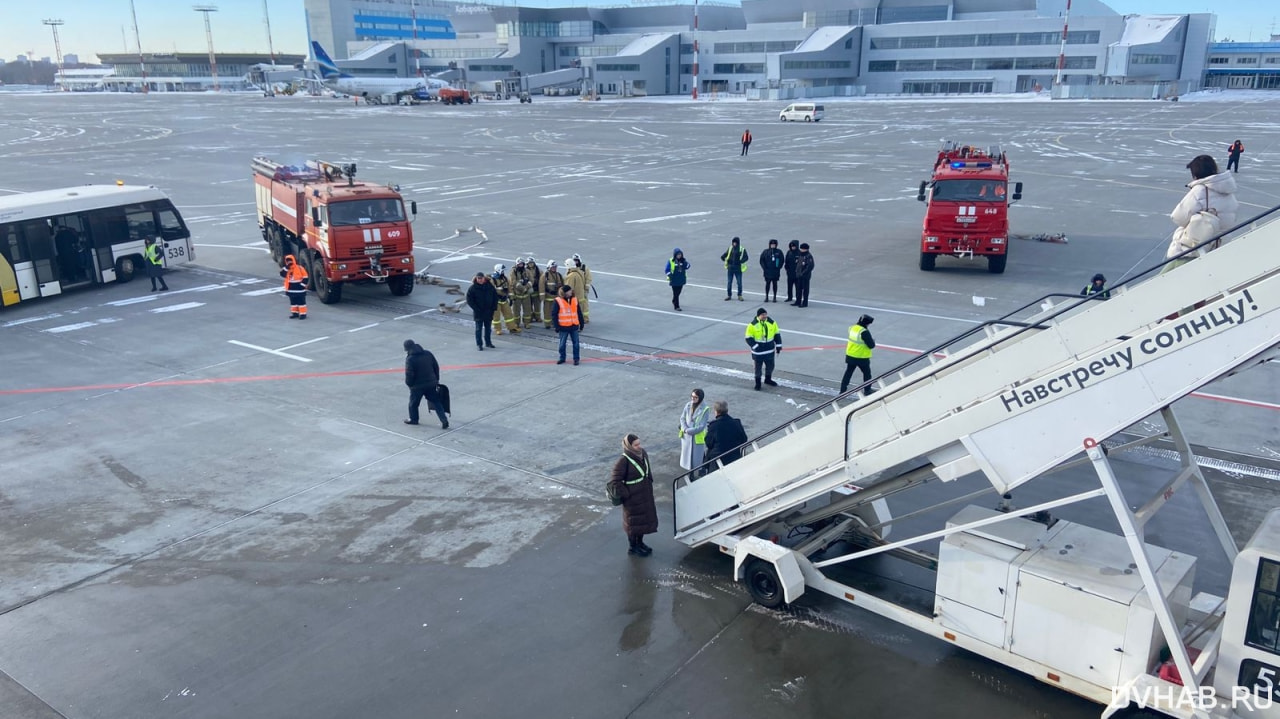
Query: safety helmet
[519,260]
[499,268]
[552,264]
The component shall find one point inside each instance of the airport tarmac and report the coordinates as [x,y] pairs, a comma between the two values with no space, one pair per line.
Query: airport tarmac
[211,511]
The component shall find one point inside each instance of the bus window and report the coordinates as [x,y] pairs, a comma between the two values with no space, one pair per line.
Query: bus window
[1263,629]
[171,227]
[11,244]
[142,222]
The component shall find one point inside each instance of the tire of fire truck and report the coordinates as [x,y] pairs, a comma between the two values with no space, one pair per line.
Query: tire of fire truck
[995,264]
[328,292]
[400,285]
[763,583]
[927,261]
[125,267]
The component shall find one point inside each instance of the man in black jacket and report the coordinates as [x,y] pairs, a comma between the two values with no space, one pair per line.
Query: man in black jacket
[789,264]
[422,376]
[724,435]
[771,261]
[482,298]
[804,273]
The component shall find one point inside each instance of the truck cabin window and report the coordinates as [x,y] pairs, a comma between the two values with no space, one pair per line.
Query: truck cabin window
[968,191]
[1263,630]
[365,212]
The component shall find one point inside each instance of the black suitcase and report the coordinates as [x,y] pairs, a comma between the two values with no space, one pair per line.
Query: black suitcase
[442,397]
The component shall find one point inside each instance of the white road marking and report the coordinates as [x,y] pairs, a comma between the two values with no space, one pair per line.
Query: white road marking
[459,192]
[318,339]
[134,300]
[178,308]
[365,327]
[268,351]
[259,293]
[548,197]
[70,328]
[41,318]
[235,247]
[668,217]
[416,314]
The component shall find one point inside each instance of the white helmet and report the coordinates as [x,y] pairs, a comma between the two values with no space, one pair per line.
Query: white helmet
[499,268]
[519,260]
[569,263]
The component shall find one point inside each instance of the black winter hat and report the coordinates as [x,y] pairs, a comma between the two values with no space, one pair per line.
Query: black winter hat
[409,344]
[804,245]
[1099,278]
[793,244]
[761,311]
[773,243]
[866,320]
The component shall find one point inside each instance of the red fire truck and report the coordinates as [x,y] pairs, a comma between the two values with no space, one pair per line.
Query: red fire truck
[342,231]
[967,211]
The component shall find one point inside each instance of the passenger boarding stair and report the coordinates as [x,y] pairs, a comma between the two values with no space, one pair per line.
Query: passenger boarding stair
[1013,398]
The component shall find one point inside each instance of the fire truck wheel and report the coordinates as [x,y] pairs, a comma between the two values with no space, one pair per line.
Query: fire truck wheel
[763,584]
[927,261]
[125,267]
[995,264]
[400,285]
[328,292]
[277,251]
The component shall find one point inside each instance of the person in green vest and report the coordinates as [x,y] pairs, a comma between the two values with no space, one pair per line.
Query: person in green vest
[153,255]
[857,354]
[1097,286]
[735,263]
[765,341]
[693,431]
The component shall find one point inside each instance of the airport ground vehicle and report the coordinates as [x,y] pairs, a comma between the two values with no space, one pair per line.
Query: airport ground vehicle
[342,231]
[999,410]
[53,240]
[454,96]
[967,210]
[806,111]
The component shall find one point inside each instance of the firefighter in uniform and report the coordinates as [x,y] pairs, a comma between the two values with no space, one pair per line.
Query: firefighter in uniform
[576,277]
[551,282]
[857,354]
[503,287]
[521,295]
[765,341]
[584,299]
[295,285]
[535,281]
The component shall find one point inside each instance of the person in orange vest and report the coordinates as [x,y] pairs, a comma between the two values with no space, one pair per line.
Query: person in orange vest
[295,285]
[568,321]
[746,142]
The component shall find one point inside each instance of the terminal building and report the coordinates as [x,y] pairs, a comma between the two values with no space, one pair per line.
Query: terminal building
[185,71]
[1244,65]
[779,49]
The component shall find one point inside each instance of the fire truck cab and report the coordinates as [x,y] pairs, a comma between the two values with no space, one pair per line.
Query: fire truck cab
[967,206]
[341,230]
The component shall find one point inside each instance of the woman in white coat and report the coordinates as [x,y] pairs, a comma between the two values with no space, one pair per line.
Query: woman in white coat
[693,431]
[1209,190]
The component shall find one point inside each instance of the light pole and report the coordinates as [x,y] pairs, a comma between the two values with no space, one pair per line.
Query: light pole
[142,64]
[266,17]
[208,35]
[57,48]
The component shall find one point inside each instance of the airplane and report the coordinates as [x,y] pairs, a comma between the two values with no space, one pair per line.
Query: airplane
[372,89]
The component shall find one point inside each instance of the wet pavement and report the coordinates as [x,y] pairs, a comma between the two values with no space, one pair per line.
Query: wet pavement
[209,511]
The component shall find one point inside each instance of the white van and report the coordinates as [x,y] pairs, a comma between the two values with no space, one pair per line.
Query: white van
[806,111]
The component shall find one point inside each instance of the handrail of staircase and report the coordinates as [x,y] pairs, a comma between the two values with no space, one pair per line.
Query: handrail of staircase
[1004,320]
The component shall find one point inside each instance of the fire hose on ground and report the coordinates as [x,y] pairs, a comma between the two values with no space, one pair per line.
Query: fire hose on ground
[424,276]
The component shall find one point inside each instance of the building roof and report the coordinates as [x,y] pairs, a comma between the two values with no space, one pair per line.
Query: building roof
[823,38]
[1249,47]
[1148,29]
[643,44]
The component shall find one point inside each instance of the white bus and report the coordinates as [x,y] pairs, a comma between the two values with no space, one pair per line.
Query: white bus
[54,240]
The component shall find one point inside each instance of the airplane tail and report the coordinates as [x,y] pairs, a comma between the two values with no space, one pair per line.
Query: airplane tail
[328,68]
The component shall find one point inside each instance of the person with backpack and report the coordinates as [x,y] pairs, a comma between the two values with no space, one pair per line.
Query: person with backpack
[735,263]
[632,482]
[1234,151]
[677,269]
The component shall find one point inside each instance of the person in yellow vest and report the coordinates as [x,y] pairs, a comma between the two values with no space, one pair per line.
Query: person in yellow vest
[521,296]
[693,431]
[503,316]
[765,341]
[857,354]
[575,276]
[154,256]
[735,263]
[551,283]
[295,286]
[568,321]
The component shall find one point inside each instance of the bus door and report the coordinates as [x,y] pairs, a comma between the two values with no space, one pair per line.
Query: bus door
[43,254]
[75,255]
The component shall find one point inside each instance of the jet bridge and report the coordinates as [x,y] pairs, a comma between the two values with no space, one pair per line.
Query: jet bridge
[1012,401]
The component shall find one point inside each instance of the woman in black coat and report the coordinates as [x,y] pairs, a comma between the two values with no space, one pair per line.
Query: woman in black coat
[634,482]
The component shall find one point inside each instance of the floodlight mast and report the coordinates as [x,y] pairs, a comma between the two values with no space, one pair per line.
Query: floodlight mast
[208,35]
[142,63]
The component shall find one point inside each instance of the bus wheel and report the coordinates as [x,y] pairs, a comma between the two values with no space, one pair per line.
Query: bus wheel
[763,584]
[927,261]
[995,264]
[400,285]
[125,267]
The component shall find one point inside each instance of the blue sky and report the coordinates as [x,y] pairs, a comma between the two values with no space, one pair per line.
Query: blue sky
[95,25]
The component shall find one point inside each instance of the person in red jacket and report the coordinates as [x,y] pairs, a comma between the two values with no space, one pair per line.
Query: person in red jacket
[1234,151]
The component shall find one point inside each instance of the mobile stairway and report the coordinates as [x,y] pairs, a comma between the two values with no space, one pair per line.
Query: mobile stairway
[1014,400]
